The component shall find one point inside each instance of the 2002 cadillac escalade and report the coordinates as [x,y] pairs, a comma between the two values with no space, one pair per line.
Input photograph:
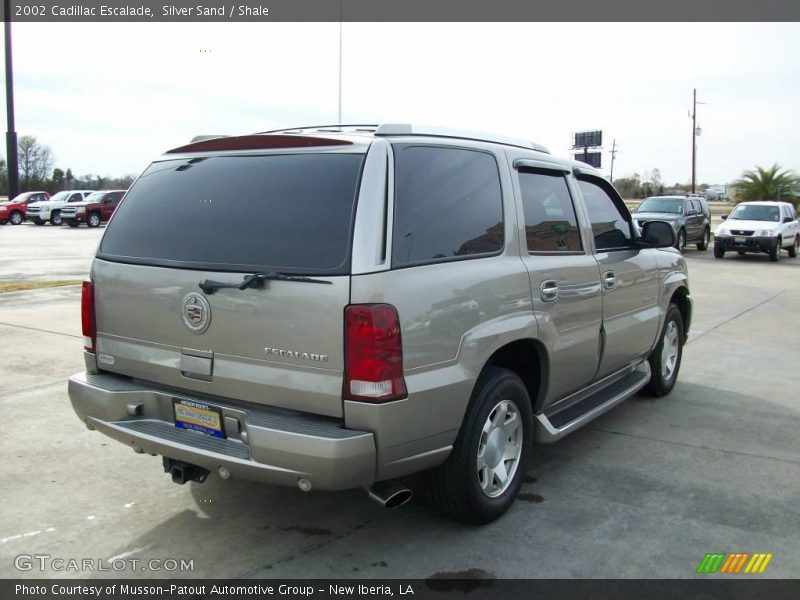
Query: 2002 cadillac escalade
[338,307]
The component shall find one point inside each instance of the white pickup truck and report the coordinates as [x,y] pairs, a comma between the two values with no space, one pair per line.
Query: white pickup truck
[50,210]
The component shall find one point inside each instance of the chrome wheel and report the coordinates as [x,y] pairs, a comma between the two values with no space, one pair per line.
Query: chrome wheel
[681,244]
[670,350]
[499,448]
[94,220]
[16,218]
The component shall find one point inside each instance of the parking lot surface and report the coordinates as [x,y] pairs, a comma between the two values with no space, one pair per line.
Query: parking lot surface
[644,491]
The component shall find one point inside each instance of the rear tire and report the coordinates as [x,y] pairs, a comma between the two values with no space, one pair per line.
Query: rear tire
[793,249]
[680,243]
[719,251]
[665,361]
[16,218]
[775,253]
[73,223]
[38,222]
[703,245]
[484,472]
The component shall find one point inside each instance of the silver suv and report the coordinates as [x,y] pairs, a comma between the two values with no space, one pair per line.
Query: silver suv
[338,307]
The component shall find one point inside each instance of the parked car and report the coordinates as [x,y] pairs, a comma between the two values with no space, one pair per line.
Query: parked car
[689,216]
[14,211]
[97,208]
[759,227]
[50,209]
[338,309]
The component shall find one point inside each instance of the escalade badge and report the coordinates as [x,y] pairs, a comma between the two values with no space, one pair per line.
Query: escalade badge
[196,312]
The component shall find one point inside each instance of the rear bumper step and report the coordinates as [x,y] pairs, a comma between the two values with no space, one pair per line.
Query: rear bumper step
[261,444]
[589,404]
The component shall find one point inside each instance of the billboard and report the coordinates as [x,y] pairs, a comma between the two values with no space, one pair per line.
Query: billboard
[590,158]
[584,139]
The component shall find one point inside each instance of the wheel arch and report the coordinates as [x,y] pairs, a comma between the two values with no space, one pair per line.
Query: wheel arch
[527,358]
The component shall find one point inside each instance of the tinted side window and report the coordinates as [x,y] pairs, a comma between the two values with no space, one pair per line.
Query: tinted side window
[610,226]
[75,198]
[550,221]
[448,204]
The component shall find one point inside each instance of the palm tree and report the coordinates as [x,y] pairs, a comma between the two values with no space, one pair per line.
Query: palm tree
[767,184]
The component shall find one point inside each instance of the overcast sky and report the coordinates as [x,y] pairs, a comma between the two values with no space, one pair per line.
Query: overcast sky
[108,98]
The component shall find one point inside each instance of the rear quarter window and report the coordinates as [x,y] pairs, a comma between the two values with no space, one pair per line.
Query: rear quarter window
[448,205]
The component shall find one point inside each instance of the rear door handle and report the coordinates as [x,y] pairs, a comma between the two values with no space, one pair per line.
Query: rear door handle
[549,290]
[609,280]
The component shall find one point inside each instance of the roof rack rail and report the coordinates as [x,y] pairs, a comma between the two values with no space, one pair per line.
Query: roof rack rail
[203,138]
[394,129]
[371,127]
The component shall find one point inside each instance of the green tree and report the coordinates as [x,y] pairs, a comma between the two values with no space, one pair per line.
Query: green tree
[767,184]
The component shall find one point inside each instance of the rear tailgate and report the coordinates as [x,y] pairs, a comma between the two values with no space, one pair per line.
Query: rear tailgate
[222,218]
[280,345]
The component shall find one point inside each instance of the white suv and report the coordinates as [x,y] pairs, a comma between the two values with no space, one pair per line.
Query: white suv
[50,210]
[763,227]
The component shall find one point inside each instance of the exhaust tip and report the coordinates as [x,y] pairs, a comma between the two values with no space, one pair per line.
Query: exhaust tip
[389,494]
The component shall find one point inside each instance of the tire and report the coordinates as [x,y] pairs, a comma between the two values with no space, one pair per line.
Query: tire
[719,251]
[39,222]
[72,223]
[55,218]
[794,247]
[775,253]
[93,220]
[16,218]
[665,361]
[680,244]
[703,245]
[459,489]
[740,253]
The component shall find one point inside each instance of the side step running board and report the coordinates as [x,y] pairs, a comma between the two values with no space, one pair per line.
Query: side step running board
[572,413]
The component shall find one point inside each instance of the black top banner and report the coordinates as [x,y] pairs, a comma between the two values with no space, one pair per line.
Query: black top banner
[399,10]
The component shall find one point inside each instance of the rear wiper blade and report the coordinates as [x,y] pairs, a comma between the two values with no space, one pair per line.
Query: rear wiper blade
[256,280]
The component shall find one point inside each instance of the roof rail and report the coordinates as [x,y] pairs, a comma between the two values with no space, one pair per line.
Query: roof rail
[202,138]
[332,128]
[392,129]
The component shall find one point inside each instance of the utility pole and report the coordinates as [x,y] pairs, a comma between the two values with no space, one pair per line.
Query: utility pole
[11,134]
[339,112]
[695,133]
[613,156]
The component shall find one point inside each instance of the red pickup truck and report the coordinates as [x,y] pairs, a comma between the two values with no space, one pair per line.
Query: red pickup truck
[15,211]
[97,208]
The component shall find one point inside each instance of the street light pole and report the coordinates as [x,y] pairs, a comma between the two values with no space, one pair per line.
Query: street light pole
[11,134]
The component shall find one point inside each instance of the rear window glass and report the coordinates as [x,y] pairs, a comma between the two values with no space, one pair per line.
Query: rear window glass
[288,213]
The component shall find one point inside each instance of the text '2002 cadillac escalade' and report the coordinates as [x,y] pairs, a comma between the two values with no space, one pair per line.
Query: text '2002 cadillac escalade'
[339,307]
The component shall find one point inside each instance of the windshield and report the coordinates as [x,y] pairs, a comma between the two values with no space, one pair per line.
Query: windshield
[661,205]
[60,196]
[20,197]
[291,213]
[95,197]
[756,212]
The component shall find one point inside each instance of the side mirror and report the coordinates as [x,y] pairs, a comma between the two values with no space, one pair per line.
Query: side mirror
[658,234]
[724,217]
[787,219]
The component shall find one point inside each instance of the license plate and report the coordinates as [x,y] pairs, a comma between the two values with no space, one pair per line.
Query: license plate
[740,240]
[198,416]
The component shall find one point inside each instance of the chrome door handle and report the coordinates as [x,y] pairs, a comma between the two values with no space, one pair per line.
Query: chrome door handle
[609,280]
[549,290]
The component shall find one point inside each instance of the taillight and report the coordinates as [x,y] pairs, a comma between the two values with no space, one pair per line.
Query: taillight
[373,369]
[87,316]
